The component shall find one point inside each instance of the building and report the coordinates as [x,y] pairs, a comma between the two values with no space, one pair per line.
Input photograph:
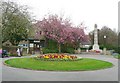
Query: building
[33,44]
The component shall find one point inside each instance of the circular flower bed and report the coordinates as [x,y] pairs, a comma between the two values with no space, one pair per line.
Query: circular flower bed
[60,57]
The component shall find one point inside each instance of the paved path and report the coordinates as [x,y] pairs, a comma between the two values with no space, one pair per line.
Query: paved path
[110,74]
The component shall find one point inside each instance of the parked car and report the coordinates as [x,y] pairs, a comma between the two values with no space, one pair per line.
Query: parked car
[4,53]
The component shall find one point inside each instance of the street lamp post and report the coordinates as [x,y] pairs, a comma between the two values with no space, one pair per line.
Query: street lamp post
[104,45]
[105,40]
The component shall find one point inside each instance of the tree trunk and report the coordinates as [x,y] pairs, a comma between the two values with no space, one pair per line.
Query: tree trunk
[59,47]
[46,42]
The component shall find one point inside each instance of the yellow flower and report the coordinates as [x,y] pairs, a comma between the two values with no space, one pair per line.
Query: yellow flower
[46,56]
[58,56]
[69,57]
[52,56]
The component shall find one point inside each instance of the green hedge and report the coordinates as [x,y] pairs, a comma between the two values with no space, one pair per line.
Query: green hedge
[52,47]
[55,50]
[70,50]
[48,50]
[51,44]
[67,48]
[14,54]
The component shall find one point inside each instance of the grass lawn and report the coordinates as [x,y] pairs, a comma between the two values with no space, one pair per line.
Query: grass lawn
[80,65]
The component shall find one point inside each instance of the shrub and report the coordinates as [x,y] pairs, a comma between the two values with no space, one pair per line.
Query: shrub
[48,50]
[70,50]
[52,47]
[12,54]
[117,49]
[101,47]
[67,49]
[83,49]
[51,44]
[90,48]
[55,50]
[117,56]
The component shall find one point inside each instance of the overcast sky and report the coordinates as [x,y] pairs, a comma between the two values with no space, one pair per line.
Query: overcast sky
[101,12]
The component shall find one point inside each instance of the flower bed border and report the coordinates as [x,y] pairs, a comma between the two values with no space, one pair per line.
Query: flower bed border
[57,57]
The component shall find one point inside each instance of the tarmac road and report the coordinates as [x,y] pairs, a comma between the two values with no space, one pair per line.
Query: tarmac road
[16,74]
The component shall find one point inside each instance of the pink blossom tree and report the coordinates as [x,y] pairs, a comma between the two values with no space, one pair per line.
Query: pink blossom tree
[54,28]
[79,36]
[60,30]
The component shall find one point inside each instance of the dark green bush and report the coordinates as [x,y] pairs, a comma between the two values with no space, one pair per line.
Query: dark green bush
[15,54]
[90,47]
[83,48]
[102,47]
[67,49]
[51,44]
[70,50]
[117,49]
[52,47]
[110,47]
[117,56]
[48,50]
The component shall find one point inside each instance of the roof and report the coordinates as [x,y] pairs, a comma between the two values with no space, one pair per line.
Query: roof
[7,43]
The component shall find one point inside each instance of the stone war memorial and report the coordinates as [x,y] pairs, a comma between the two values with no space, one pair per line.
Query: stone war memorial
[95,46]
